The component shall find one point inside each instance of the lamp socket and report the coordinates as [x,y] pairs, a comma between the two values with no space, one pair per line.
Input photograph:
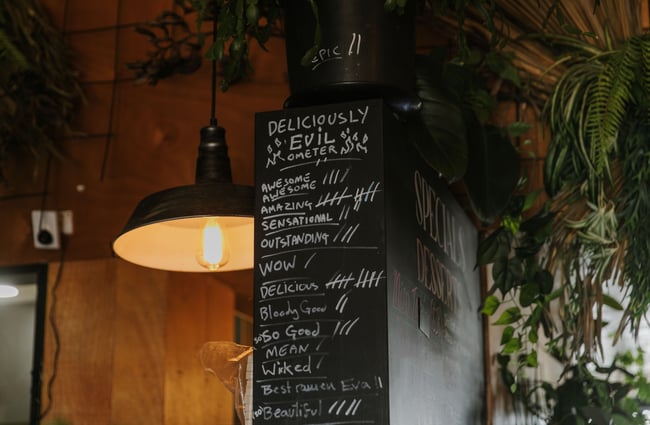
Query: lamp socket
[45,229]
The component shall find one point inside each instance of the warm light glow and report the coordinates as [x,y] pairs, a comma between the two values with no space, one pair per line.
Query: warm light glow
[212,252]
[8,291]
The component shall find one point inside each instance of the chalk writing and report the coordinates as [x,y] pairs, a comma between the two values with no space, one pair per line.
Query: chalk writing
[317,264]
[334,53]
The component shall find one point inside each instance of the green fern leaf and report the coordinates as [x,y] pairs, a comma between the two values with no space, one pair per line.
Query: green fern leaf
[7,48]
[607,106]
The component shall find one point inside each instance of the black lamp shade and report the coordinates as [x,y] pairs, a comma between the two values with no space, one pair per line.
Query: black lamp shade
[164,231]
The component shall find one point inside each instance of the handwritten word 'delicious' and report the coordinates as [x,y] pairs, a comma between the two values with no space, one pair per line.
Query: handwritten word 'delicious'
[313,121]
[287,288]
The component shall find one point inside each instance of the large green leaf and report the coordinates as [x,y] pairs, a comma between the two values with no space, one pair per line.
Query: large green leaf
[438,131]
[492,170]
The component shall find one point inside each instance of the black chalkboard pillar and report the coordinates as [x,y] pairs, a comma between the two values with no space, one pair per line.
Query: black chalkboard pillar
[366,297]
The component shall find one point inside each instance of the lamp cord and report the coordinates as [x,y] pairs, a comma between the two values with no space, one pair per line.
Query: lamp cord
[46,181]
[213,104]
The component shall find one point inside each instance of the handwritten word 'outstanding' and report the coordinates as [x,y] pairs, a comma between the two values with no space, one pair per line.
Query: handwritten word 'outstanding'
[313,121]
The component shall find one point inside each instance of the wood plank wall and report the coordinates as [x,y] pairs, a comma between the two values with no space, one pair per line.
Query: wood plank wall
[128,341]
[130,139]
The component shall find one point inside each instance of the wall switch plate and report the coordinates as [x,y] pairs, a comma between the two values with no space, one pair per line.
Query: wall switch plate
[67,222]
[45,230]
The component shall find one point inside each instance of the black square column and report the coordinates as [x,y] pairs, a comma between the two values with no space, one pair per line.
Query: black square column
[366,301]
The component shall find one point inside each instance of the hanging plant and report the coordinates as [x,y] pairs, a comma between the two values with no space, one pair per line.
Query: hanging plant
[598,171]
[39,93]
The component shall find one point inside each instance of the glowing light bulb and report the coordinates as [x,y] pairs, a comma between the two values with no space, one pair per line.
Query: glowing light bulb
[213,252]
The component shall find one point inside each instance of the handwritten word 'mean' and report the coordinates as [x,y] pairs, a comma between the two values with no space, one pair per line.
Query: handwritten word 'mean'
[283,350]
[313,121]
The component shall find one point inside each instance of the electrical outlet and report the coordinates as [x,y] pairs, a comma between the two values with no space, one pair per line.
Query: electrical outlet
[45,229]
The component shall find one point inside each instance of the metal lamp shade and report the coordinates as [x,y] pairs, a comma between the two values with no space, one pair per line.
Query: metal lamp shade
[164,231]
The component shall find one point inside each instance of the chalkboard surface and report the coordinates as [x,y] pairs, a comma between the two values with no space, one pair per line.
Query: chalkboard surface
[320,279]
[435,329]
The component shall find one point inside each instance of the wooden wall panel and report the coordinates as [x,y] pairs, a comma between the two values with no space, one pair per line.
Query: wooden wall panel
[85,309]
[93,54]
[87,15]
[139,358]
[189,325]
[142,10]
[129,339]
[93,117]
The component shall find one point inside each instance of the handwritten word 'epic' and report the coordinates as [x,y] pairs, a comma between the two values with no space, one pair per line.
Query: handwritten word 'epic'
[308,122]
[334,53]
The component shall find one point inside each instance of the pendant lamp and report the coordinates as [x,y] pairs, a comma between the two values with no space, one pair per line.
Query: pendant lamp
[207,226]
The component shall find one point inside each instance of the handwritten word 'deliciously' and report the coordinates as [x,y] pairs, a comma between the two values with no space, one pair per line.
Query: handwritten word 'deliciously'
[313,121]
